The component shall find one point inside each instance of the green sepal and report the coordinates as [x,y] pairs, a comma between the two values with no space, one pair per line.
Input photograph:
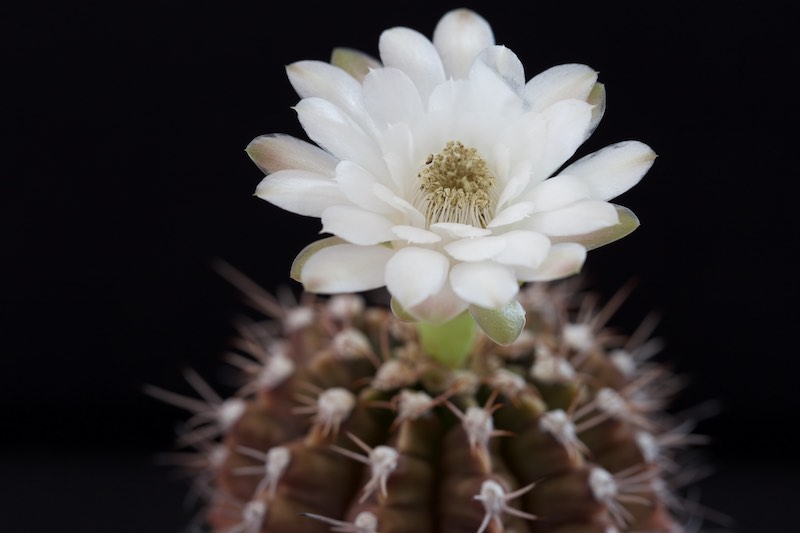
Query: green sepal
[308,251]
[502,325]
[628,222]
[450,343]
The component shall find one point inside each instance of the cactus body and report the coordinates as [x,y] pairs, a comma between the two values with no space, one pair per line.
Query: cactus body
[348,425]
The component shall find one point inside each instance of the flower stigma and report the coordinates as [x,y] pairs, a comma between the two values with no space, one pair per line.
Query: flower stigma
[456,186]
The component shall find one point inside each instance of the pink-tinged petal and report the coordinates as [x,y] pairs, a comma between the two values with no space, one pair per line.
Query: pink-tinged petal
[359,187]
[567,127]
[504,64]
[356,225]
[475,249]
[459,37]
[281,152]
[558,192]
[627,224]
[614,169]
[523,248]
[354,62]
[345,268]
[564,260]
[485,284]
[443,306]
[562,82]
[319,79]
[331,128]
[299,191]
[575,219]
[414,54]
[414,274]
[512,214]
[415,235]
[458,231]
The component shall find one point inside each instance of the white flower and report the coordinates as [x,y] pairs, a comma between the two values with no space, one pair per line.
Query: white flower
[434,170]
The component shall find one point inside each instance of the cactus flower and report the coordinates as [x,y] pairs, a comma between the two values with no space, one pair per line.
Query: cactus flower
[435,170]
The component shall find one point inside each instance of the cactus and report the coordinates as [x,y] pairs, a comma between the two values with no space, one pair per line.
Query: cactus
[342,422]
[487,392]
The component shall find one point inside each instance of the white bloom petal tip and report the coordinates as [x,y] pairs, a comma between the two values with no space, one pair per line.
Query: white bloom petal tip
[331,268]
[414,274]
[628,222]
[354,62]
[564,260]
[307,252]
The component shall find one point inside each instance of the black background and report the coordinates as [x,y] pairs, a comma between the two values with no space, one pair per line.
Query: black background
[124,177]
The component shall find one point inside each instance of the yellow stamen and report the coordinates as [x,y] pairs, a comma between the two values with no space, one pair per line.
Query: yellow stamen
[456,185]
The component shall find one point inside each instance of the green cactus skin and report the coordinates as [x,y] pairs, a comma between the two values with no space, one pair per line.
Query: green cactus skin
[349,426]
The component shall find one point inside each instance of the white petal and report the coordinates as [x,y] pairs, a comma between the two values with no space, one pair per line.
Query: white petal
[502,86]
[331,128]
[307,252]
[511,214]
[558,191]
[475,249]
[443,306]
[526,136]
[390,96]
[485,284]
[597,98]
[414,274]
[564,259]
[450,96]
[459,37]
[628,222]
[411,215]
[459,231]
[356,225]
[567,127]
[523,248]
[506,66]
[415,235]
[614,169]
[516,184]
[299,191]
[575,219]
[320,79]
[354,62]
[281,152]
[345,268]
[359,187]
[561,82]
[414,54]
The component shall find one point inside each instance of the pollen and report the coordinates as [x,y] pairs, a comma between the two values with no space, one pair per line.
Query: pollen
[456,185]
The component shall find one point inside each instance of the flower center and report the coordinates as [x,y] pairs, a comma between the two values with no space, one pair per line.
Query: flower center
[456,185]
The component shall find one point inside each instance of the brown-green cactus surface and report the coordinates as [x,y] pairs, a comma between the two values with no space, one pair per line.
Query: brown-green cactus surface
[344,423]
